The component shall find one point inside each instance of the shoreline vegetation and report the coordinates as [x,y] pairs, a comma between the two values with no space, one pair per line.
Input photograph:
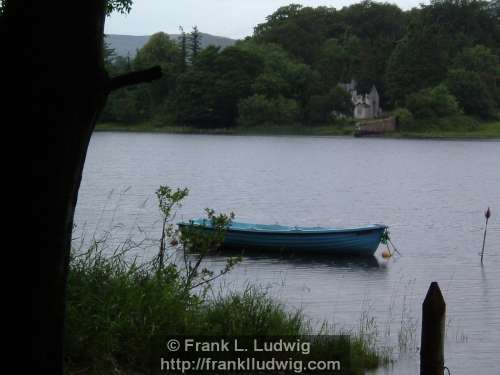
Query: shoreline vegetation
[483,130]
[117,310]
[122,310]
[435,68]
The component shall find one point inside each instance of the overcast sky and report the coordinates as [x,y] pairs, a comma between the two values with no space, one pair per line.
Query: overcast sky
[230,18]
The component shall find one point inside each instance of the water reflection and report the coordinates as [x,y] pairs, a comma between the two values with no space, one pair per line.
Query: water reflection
[301,259]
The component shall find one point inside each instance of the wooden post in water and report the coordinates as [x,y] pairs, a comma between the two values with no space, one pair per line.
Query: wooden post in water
[487,215]
[433,325]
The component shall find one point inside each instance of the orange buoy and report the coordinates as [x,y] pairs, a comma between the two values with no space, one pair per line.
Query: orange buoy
[386,254]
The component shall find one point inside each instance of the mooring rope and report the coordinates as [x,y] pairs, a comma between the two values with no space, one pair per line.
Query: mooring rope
[386,240]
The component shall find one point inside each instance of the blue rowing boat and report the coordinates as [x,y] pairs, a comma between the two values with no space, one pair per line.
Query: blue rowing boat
[345,241]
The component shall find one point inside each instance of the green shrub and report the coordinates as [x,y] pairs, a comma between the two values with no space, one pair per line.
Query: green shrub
[471,92]
[432,102]
[404,119]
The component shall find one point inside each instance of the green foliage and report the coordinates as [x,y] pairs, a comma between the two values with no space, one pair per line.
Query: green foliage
[281,74]
[120,6]
[183,58]
[319,110]
[436,34]
[127,106]
[194,40]
[335,62]
[252,313]
[208,94]
[479,59]
[471,92]
[193,238]
[325,109]
[194,98]
[159,50]
[418,61]
[435,102]
[237,69]
[341,102]
[475,80]
[259,110]
[299,55]
[404,119]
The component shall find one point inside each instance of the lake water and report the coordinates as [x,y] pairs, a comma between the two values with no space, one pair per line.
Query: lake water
[432,194]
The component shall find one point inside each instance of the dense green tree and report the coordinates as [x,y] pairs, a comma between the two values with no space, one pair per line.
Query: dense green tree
[319,110]
[378,27]
[463,23]
[432,102]
[261,110]
[436,34]
[323,109]
[163,51]
[183,51]
[236,71]
[291,77]
[194,99]
[419,60]
[481,60]
[206,58]
[341,101]
[282,15]
[471,92]
[301,31]
[194,44]
[335,63]
[158,49]
[271,85]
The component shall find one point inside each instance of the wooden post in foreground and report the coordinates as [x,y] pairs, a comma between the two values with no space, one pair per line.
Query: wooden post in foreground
[433,325]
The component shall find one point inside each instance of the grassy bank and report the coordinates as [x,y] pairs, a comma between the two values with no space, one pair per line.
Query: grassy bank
[483,130]
[257,130]
[116,309]
[437,129]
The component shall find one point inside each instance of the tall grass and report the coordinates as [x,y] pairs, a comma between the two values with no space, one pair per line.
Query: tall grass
[117,307]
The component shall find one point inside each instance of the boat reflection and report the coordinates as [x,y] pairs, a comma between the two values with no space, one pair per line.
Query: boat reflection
[303,259]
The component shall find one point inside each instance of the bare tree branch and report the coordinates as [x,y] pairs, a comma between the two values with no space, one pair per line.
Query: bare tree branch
[135,78]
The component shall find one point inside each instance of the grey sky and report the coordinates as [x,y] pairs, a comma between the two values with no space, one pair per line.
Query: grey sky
[230,18]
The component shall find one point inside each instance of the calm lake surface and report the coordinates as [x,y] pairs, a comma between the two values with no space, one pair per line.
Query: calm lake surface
[432,194]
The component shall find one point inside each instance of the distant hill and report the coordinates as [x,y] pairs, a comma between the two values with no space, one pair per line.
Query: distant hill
[129,44]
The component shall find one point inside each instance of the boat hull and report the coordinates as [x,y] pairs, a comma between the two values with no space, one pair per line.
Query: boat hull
[355,241]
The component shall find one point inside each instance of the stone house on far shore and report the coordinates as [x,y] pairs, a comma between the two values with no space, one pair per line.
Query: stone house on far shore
[365,106]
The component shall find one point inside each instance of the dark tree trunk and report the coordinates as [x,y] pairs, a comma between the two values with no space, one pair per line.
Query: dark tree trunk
[55,48]
[69,90]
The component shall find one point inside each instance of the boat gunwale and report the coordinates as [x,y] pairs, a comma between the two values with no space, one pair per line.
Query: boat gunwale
[292,230]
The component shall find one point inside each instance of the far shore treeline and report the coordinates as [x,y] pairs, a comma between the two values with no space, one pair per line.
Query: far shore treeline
[439,61]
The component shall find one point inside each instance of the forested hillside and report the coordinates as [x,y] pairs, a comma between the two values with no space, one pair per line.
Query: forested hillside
[431,62]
